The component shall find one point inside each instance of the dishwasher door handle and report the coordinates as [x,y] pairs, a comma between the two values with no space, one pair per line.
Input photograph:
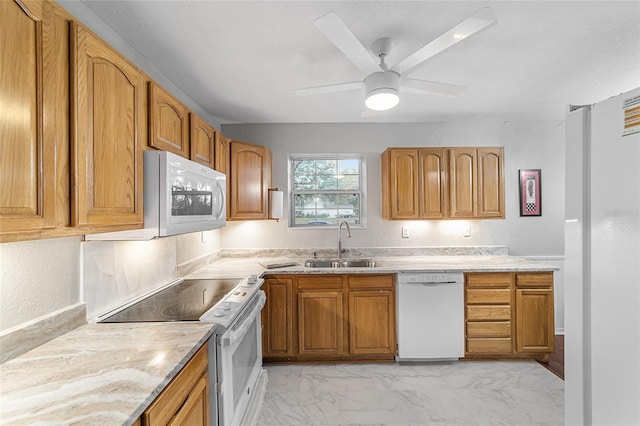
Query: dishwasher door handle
[431,283]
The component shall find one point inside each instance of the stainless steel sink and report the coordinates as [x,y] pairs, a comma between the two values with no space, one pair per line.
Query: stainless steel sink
[341,263]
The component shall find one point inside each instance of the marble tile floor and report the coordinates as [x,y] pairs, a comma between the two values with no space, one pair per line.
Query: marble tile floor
[492,393]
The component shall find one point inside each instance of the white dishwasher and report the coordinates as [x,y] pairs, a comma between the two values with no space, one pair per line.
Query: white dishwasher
[430,316]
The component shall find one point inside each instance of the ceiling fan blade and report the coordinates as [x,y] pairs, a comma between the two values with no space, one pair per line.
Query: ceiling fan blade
[342,87]
[336,30]
[430,87]
[472,25]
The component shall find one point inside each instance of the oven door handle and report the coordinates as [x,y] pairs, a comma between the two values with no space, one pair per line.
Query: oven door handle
[237,333]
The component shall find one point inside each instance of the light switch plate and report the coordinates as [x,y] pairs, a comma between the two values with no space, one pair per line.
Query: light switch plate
[405,232]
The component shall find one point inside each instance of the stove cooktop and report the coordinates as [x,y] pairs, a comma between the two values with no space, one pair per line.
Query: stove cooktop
[185,301]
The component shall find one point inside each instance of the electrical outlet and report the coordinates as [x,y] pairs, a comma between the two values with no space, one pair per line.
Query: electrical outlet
[405,232]
[467,231]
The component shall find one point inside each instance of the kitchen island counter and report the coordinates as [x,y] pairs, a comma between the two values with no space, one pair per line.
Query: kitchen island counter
[243,266]
[98,373]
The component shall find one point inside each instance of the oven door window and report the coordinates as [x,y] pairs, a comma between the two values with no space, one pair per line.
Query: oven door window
[244,360]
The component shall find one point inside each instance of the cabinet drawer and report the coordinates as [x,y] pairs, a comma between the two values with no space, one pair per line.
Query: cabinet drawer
[482,312]
[489,346]
[174,396]
[371,281]
[489,329]
[319,282]
[489,296]
[535,279]
[489,280]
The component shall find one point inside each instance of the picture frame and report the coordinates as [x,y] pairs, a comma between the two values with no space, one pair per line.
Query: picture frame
[530,192]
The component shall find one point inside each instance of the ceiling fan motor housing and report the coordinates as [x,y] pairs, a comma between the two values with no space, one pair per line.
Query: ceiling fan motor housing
[385,83]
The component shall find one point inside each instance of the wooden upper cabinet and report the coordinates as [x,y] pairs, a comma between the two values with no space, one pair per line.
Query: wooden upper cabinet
[442,183]
[476,182]
[222,152]
[463,170]
[202,139]
[168,122]
[33,125]
[108,134]
[400,184]
[432,183]
[414,183]
[490,182]
[250,177]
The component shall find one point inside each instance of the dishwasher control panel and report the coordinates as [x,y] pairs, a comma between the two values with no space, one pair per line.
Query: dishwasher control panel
[430,277]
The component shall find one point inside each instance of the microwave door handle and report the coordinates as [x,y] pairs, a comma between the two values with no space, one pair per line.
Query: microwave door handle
[223,205]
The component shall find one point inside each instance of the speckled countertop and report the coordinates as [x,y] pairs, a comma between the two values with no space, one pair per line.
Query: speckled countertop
[97,374]
[243,266]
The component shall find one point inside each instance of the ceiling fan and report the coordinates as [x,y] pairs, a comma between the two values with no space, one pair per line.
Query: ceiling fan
[383,83]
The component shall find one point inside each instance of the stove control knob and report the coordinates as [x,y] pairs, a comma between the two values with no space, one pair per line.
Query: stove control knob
[252,279]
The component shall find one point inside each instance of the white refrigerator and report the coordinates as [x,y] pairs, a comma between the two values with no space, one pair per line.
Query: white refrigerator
[602,263]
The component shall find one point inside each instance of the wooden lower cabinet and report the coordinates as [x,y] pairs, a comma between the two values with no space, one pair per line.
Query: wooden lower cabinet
[320,323]
[534,313]
[277,318]
[185,400]
[372,315]
[329,317]
[509,314]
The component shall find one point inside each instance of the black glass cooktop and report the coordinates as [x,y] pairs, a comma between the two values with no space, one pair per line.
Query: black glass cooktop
[185,301]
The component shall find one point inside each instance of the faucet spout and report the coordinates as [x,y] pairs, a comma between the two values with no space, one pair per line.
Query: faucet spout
[344,222]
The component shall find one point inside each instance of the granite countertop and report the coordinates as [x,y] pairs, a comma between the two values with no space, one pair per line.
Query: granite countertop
[243,266]
[97,374]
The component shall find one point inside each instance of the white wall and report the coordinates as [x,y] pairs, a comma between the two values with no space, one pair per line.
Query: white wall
[37,278]
[537,145]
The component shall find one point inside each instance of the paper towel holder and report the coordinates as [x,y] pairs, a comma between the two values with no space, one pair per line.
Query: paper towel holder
[276,203]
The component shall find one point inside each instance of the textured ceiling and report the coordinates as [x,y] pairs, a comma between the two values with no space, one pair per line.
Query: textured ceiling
[242,60]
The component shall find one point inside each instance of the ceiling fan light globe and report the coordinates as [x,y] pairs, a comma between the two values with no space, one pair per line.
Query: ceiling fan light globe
[382,99]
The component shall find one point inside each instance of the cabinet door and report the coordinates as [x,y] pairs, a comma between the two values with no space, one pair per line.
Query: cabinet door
[371,322]
[168,125]
[534,321]
[490,183]
[222,154]
[250,177]
[202,140]
[400,191]
[34,91]
[432,183]
[185,400]
[108,134]
[320,323]
[277,318]
[195,409]
[463,200]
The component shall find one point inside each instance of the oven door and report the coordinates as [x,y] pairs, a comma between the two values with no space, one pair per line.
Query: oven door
[239,363]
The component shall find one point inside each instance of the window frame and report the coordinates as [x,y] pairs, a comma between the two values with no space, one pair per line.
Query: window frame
[329,156]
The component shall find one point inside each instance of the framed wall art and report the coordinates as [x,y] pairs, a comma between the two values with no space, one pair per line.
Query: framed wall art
[530,192]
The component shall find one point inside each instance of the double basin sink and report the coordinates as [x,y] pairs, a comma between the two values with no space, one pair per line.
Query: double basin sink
[341,263]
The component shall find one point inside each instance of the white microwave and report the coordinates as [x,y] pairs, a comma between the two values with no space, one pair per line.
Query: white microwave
[180,196]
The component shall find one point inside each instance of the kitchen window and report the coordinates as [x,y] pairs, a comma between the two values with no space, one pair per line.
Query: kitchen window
[327,189]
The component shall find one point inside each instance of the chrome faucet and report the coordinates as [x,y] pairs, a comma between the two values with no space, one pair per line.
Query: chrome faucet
[344,222]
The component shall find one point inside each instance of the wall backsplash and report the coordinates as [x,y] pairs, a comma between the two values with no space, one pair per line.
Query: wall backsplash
[114,272]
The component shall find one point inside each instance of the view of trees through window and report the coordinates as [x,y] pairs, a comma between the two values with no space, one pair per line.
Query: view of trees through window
[326,190]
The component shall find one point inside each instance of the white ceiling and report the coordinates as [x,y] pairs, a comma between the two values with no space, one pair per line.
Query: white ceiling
[241,60]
